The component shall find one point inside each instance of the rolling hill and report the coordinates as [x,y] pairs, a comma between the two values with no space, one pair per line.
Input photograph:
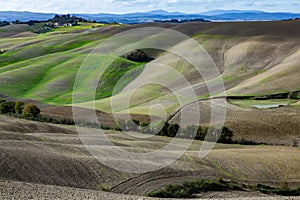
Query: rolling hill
[254,58]
[40,153]
[257,60]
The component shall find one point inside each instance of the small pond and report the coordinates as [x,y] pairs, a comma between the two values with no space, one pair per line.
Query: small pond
[269,106]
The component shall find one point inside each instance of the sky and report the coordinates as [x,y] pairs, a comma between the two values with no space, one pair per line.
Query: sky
[129,6]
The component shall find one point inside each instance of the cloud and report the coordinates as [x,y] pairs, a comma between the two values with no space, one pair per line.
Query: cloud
[125,6]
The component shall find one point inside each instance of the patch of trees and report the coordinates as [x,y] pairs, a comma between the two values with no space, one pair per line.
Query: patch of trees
[32,22]
[4,23]
[171,130]
[198,133]
[29,111]
[19,108]
[44,29]
[138,56]
[64,19]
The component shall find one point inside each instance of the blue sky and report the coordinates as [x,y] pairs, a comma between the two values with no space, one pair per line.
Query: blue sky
[127,6]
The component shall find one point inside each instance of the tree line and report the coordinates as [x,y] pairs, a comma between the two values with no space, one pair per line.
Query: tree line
[28,111]
[19,108]
[162,128]
[32,112]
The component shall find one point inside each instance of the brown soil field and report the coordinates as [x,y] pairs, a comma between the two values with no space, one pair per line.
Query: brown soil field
[106,119]
[41,153]
[19,190]
[278,126]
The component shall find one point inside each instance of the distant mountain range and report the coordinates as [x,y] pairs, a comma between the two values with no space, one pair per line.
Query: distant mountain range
[159,15]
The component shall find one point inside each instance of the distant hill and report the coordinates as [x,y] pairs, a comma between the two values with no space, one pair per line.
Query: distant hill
[158,15]
[251,16]
[221,12]
[24,16]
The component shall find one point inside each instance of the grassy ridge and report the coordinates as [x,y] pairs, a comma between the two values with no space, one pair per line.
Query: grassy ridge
[55,58]
[44,67]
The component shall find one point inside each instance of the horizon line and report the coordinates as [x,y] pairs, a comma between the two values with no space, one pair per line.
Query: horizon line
[42,12]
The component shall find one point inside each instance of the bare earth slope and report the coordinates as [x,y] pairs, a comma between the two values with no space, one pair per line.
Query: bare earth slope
[278,126]
[54,155]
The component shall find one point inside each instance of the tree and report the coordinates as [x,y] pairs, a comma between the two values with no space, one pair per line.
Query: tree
[173,130]
[164,129]
[7,107]
[138,56]
[2,100]
[19,106]
[201,133]
[226,135]
[31,110]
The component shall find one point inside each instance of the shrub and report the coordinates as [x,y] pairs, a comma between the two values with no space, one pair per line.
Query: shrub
[201,133]
[19,106]
[103,187]
[4,23]
[172,130]
[117,128]
[226,136]
[7,107]
[164,130]
[138,56]
[31,110]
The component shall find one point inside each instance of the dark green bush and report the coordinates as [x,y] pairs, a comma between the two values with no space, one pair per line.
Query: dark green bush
[138,56]
[7,107]
[31,110]
[19,106]
[197,133]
